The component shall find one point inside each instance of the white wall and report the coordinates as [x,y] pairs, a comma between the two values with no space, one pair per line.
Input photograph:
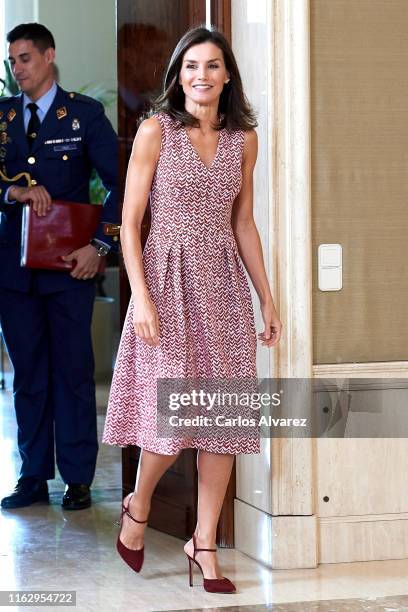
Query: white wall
[85,36]
[251,30]
[2,35]
[19,11]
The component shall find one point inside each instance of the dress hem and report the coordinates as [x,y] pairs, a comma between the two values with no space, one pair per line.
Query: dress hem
[123,444]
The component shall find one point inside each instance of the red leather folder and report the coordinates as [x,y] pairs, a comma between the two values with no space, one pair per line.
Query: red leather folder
[67,227]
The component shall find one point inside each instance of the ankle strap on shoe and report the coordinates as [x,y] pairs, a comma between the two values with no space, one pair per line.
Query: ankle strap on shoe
[126,511]
[201,549]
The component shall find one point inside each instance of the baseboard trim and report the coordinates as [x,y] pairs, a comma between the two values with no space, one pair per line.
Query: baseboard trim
[280,542]
[363,538]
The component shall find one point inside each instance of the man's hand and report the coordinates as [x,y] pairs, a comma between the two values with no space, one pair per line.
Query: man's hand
[87,262]
[38,197]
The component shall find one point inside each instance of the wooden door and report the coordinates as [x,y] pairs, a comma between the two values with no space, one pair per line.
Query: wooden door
[147,34]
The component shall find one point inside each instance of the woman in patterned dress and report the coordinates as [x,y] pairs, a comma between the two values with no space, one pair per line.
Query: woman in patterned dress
[191,313]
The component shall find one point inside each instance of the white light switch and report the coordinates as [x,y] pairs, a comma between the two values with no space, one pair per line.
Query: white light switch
[330,265]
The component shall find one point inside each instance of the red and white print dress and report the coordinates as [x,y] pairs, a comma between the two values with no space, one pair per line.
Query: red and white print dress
[197,282]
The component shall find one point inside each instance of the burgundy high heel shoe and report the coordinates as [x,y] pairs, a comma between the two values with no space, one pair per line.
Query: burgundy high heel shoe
[134,558]
[211,585]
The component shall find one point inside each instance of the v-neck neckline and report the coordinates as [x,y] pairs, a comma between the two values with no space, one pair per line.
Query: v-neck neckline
[210,167]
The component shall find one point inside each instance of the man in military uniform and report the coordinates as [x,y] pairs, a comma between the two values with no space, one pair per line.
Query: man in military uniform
[58,137]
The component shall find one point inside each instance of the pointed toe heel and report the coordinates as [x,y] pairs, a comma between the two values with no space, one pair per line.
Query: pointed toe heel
[211,585]
[133,558]
[219,585]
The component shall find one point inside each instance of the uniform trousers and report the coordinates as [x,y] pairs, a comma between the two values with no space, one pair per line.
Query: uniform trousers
[48,338]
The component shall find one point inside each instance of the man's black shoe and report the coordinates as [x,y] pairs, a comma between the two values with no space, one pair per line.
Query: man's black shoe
[28,491]
[76,497]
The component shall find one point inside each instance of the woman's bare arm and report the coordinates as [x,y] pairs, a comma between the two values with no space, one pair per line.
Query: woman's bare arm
[141,169]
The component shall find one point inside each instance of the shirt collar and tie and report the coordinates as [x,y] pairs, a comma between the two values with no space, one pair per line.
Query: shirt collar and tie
[43,105]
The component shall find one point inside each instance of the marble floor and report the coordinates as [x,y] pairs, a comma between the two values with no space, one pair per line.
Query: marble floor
[44,548]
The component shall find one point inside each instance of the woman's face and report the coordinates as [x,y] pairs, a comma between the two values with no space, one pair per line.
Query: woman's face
[203,74]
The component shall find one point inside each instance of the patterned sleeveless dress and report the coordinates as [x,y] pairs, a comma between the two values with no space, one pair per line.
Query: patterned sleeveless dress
[197,282]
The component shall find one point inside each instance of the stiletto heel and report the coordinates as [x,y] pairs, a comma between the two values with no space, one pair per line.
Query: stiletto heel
[134,558]
[190,569]
[211,585]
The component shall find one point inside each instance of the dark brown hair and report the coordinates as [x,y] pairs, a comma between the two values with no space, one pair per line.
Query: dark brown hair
[39,34]
[234,109]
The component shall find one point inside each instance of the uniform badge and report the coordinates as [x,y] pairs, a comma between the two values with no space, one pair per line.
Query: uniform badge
[75,124]
[3,153]
[3,126]
[4,139]
[11,114]
[61,112]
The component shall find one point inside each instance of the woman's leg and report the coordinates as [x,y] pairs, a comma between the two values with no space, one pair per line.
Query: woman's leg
[214,471]
[151,468]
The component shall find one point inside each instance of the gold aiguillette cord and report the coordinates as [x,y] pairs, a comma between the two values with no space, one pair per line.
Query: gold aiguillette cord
[110,229]
[17,177]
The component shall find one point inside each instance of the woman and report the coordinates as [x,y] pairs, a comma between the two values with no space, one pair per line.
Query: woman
[191,312]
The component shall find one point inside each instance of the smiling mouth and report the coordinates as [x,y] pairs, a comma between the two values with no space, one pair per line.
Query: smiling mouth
[202,86]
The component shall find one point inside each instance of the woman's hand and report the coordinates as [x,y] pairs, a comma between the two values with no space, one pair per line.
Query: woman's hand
[146,320]
[273,327]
